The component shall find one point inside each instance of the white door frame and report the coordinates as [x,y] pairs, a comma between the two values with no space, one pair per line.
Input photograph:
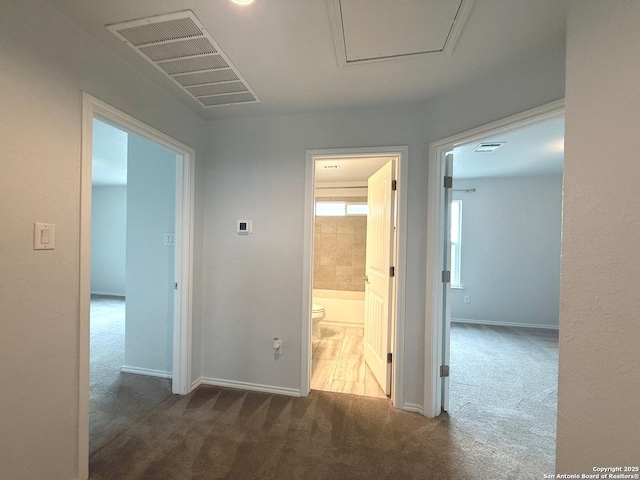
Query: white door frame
[185,169]
[397,368]
[435,238]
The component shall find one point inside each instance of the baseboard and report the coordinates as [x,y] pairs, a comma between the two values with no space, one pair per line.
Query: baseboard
[195,384]
[504,324]
[341,324]
[146,371]
[108,294]
[256,387]
[413,407]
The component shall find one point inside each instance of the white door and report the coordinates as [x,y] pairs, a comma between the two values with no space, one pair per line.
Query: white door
[378,281]
[446,290]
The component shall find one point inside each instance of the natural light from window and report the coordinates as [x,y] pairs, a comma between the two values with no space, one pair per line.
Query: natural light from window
[456,231]
[340,209]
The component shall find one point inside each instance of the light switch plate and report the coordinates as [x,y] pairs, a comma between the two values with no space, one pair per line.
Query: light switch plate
[169,239]
[44,236]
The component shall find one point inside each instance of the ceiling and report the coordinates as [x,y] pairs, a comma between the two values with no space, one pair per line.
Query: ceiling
[349,170]
[536,150]
[286,51]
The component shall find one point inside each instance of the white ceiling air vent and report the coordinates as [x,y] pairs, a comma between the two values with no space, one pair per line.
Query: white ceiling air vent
[488,147]
[179,46]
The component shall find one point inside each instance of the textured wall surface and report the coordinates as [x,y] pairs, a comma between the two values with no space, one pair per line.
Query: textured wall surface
[599,383]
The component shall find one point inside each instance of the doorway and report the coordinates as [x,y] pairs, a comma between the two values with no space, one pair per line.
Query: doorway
[352,331]
[177,345]
[439,292]
[132,278]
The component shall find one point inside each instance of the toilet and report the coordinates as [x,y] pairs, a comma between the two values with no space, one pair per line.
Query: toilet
[317,314]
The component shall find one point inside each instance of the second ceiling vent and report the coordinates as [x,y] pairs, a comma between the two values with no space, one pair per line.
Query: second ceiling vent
[178,45]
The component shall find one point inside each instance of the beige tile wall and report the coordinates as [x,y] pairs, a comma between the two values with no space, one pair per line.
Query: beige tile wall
[339,251]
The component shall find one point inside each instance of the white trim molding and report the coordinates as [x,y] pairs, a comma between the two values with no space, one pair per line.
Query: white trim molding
[145,371]
[254,387]
[185,182]
[109,294]
[401,153]
[413,407]
[504,324]
[435,239]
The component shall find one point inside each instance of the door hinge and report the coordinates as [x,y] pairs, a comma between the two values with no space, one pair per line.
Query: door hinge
[175,286]
[446,276]
[394,185]
[444,370]
[392,271]
[389,357]
[448,182]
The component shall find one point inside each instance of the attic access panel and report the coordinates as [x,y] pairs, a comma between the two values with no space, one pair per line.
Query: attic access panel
[374,30]
[179,46]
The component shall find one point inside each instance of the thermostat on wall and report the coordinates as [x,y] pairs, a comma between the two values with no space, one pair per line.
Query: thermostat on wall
[245,227]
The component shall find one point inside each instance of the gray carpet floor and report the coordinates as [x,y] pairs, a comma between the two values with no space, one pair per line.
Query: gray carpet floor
[115,397]
[504,389]
[501,424]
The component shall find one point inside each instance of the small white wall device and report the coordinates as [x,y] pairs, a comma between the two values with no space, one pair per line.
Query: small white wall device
[277,346]
[44,236]
[245,227]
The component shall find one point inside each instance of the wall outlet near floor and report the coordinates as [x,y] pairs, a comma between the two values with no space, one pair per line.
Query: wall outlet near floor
[467,299]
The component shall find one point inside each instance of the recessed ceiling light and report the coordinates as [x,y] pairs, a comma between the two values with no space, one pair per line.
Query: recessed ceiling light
[242,2]
[489,147]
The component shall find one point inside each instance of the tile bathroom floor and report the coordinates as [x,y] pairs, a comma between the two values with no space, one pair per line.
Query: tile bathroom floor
[338,363]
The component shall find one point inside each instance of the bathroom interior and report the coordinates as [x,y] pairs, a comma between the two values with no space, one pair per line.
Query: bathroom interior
[340,239]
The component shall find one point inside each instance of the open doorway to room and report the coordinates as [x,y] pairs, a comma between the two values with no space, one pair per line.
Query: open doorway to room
[498,317]
[132,277]
[136,243]
[354,288]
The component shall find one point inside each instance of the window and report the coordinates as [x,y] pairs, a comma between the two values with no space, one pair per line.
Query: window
[340,209]
[330,209]
[357,208]
[456,231]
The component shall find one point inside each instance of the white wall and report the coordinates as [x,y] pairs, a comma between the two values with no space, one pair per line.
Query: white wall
[151,180]
[510,265]
[599,384]
[46,62]
[254,283]
[108,240]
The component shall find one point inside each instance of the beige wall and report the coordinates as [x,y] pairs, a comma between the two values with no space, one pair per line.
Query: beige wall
[340,250]
[599,379]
